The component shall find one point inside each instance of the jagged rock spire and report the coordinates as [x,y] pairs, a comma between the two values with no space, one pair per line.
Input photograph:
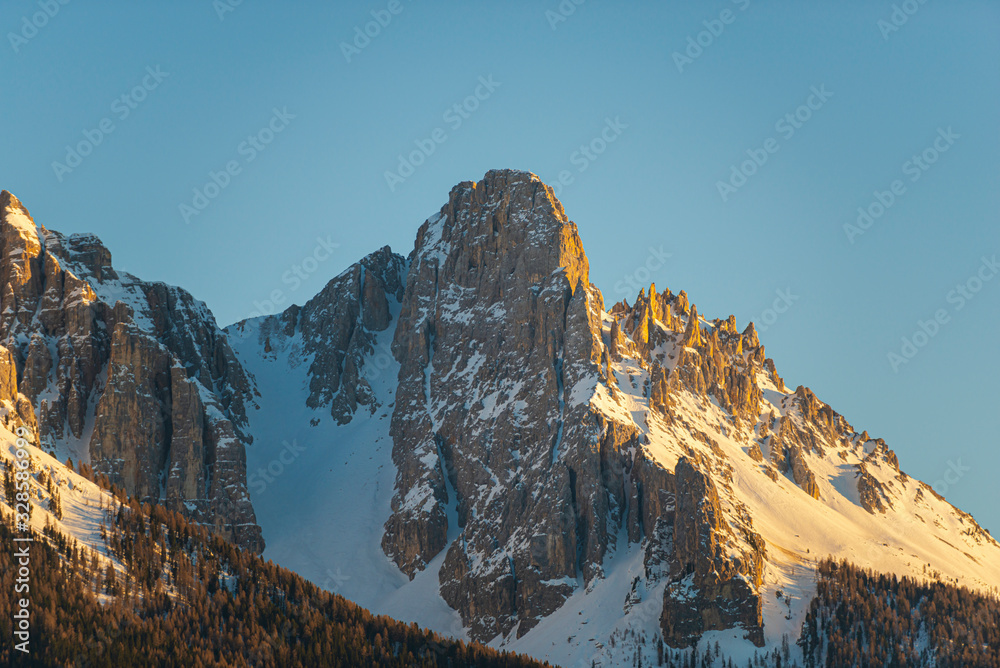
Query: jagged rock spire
[692,335]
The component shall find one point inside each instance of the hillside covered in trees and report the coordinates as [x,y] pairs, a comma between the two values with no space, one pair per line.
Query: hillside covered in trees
[862,618]
[156,590]
[185,597]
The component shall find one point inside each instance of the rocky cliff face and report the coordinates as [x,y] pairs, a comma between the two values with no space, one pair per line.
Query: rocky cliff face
[503,344]
[135,377]
[496,330]
[536,435]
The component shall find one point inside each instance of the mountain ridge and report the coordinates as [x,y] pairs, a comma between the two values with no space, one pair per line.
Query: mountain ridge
[644,390]
[521,462]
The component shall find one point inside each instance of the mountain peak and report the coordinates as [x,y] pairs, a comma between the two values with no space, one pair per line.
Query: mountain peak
[499,178]
[508,226]
[14,215]
[9,200]
[132,378]
[506,184]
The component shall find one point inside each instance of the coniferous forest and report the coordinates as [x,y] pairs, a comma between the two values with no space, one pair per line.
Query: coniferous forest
[863,618]
[183,596]
[189,598]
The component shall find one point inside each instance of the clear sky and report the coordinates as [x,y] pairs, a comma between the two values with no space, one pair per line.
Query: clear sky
[308,115]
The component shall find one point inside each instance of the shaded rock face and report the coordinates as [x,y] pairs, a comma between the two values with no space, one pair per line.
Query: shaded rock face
[335,330]
[136,376]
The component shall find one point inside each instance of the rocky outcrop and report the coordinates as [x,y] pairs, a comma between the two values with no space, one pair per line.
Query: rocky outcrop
[134,376]
[709,589]
[710,358]
[659,390]
[15,408]
[873,494]
[336,330]
[788,446]
[801,474]
[497,294]
[870,492]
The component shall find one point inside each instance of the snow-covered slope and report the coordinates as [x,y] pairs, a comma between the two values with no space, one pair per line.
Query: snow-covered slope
[323,486]
[322,490]
[60,498]
[919,534]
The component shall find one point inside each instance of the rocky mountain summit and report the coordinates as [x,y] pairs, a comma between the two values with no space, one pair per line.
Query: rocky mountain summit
[503,345]
[134,378]
[539,440]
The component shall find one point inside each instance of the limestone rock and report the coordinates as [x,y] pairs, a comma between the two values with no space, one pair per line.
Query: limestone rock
[659,390]
[499,274]
[724,588]
[681,303]
[692,335]
[139,372]
[871,492]
[801,473]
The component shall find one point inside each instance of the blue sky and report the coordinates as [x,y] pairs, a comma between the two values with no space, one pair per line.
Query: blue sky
[300,131]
